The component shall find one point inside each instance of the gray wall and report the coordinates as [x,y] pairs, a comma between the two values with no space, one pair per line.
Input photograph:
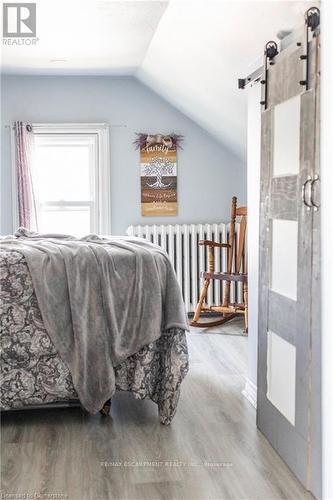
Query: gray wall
[208,174]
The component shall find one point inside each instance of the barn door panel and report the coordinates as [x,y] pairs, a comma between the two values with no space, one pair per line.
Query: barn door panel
[288,346]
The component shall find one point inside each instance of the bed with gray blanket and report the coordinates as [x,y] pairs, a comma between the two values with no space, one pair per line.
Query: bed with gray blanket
[82,318]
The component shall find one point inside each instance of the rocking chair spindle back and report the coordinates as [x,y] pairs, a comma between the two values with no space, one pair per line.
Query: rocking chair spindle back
[227,310]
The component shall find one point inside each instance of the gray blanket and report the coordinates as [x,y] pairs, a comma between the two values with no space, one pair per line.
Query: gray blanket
[101,300]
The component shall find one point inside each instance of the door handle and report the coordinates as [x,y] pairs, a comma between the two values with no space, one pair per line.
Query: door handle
[304,190]
[312,199]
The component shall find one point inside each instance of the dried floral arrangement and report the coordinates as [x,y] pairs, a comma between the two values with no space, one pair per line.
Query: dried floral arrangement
[171,141]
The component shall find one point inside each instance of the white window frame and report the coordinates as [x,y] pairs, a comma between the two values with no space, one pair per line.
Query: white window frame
[102,132]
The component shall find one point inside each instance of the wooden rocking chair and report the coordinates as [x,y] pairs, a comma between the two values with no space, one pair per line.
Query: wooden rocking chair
[228,310]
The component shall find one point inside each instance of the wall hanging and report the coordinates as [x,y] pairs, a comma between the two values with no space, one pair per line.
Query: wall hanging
[158,164]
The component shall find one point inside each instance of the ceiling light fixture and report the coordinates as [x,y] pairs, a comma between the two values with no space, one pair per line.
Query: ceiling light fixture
[58,60]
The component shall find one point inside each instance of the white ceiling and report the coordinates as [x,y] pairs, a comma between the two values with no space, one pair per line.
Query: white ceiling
[191,52]
[92,36]
[224,41]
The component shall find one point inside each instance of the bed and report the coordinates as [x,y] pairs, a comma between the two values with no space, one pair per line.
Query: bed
[34,371]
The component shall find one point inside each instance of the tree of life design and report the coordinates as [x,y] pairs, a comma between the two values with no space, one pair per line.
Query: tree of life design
[158,167]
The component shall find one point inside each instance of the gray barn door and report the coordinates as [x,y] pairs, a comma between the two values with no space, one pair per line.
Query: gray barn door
[289,331]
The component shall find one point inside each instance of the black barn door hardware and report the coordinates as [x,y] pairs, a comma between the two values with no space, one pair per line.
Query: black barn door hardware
[271,50]
[312,20]
[252,77]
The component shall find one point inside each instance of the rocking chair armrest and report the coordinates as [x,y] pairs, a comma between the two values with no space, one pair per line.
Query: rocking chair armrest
[211,243]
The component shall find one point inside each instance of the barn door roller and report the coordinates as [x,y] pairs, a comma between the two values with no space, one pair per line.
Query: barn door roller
[312,20]
[271,50]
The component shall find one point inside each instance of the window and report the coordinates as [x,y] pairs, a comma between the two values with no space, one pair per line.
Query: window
[71,178]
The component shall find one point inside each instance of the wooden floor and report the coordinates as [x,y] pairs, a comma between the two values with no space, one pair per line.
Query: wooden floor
[212,450]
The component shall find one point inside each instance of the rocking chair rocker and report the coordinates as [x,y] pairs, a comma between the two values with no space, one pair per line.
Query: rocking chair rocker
[227,310]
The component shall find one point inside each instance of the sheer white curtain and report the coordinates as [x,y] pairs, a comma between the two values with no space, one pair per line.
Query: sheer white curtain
[24,143]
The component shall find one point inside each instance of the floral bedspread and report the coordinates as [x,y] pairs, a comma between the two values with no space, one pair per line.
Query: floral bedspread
[34,374]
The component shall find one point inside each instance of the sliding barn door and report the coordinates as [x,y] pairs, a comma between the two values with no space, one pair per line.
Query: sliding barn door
[289,329]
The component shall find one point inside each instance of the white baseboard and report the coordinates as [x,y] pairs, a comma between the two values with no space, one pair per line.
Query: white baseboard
[250,392]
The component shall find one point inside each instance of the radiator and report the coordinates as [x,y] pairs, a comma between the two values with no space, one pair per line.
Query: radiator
[180,241]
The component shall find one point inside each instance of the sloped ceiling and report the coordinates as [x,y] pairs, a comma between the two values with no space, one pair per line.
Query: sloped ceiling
[191,52]
[201,48]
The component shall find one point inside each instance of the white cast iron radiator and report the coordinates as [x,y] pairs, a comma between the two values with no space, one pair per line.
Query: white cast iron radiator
[180,241]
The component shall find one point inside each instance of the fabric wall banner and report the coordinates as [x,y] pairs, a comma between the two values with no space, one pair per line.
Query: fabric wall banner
[158,160]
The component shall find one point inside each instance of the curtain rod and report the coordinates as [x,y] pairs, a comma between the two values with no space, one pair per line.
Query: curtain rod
[121,125]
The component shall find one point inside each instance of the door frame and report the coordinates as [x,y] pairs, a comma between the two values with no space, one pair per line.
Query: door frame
[326,248]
